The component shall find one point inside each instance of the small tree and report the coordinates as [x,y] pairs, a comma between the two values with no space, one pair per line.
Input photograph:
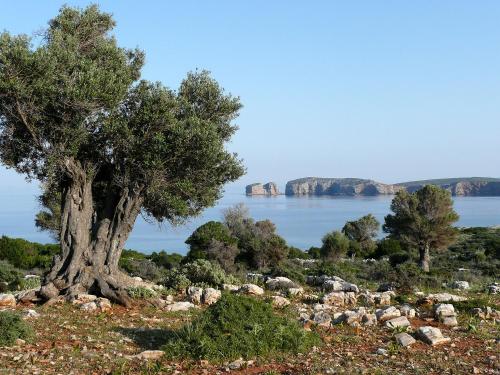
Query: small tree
[335,245]
[423,220]
[363,231]
[75,115]
[201,239]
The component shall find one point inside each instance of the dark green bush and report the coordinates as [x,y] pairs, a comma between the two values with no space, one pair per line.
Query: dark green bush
[295,253]
[335,245]
[165,260]
[199,242]
[9,273]
[399,258]
[26,255]
[239,326]
[290,269]
[387,247]
[13,327]
[200,272]
[143,268]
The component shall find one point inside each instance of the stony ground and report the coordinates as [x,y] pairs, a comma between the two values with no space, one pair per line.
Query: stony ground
[70,340]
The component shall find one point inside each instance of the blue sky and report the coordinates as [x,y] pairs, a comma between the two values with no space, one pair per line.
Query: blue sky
[388,90]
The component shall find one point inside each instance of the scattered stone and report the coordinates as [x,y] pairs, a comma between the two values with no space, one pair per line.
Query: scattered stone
[388,313]
[88,306]
[408,311]
[334,298]
[382,351]
[103,304]
[446,297]
[445,313]
[7,300]
[20,342]
[401,321]
[450,321]
[351,317]
[383,299]
[27,296]
[493,288]
[138,279]
[292,292]
[230,287]
[386,287]
[210,296]
[280,283]
[251,289]
[150,354]
[431,335]
[235,365]
[322,307]
[179,306]
[30,314]
[322,318]
[404,339]
[369,320]
[444,309]
[279,302]
[194,294]
[83,298]
[460,285]
[350,298]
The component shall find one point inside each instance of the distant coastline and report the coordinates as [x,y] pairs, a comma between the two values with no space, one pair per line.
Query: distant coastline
[460,186]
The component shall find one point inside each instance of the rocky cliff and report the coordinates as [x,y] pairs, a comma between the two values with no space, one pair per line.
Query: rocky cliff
[468,186]
[338,187]
[461,187]
[262,189]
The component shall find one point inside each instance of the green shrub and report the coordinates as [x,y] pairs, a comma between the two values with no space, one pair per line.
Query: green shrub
[387,247]
[238,326]
[335,245]
[24,284]
[203,271]
[139,292]
[8,273]
[26,255]
[13,327]
[143,268]
[165,260]
[295,253]
[200,241]
[176,280]
[290,269]
[399,258]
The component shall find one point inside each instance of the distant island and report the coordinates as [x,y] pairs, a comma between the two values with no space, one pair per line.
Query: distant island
[262,189]
[462,186]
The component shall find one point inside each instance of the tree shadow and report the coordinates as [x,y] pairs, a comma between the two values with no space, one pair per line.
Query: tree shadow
[147,338]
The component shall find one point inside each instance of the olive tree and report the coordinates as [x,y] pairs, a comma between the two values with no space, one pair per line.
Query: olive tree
[75,115]
[423,220]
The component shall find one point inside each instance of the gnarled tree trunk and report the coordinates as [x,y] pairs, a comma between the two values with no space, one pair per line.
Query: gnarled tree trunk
[91,241]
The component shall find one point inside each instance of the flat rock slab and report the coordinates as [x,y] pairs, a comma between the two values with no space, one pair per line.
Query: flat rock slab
[404,339]
[150,354]
[431,335]
[401,321]
[179,306]
[387,314]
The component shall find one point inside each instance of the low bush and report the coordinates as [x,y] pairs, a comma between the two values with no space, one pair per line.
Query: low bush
[143,268]
[139,292]
[24,284]
[238,326]
[8,273]
[13,327]
[201,272]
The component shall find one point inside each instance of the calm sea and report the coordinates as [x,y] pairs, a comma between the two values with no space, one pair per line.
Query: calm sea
[302,221]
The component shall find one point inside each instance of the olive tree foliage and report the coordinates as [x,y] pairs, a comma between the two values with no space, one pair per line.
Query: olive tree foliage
[75,115]
[423,220]
[363,231]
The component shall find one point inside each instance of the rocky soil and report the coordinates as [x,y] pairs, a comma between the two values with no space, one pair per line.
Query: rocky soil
[364,332]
